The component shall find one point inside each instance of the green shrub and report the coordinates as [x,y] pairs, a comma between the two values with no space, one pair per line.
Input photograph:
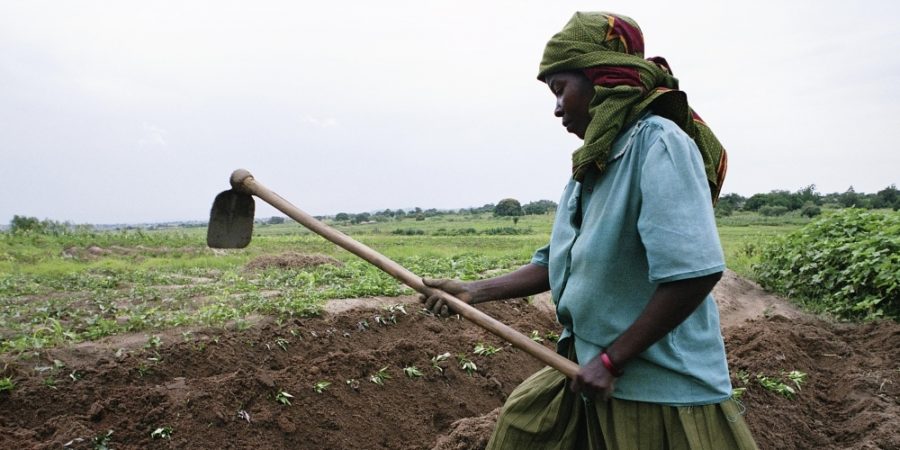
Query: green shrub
[846,264]
[770,211]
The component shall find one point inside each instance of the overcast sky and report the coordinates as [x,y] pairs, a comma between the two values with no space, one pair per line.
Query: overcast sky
[127,112]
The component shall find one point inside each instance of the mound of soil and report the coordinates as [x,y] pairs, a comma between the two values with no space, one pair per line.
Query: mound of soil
[217,389]
[290,260]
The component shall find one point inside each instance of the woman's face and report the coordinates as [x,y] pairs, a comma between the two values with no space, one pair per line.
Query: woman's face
[574,93]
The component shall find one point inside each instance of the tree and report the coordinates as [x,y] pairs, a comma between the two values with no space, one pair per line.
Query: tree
[342,217]
[888,197]
[850,199]
[508,207]
[22,224]
[275,220]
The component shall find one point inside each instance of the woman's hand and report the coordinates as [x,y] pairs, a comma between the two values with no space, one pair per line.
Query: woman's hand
[594,380]
[437,305]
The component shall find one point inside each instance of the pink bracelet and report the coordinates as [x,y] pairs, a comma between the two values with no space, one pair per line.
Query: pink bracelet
[609,365]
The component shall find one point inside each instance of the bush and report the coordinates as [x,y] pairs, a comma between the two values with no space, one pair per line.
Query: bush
[408,232]
[810,210]
[844,264]
[772,211]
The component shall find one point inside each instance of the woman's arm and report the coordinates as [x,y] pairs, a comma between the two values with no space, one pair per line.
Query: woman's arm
[527,280]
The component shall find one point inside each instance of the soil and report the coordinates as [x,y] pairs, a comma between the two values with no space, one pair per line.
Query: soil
[290,260]
[217,388]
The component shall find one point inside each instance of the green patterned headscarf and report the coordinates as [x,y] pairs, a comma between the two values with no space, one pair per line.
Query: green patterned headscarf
[609,50]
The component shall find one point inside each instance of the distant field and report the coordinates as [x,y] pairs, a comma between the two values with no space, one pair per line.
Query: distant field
[84,286]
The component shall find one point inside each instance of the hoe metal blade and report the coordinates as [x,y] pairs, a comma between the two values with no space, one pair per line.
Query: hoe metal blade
[230,220]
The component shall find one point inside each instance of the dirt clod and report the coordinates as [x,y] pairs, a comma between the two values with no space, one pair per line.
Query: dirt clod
[290,260]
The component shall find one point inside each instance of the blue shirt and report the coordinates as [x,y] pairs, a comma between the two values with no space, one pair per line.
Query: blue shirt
[647,220]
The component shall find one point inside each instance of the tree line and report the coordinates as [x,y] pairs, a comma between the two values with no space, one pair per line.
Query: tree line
[807,201]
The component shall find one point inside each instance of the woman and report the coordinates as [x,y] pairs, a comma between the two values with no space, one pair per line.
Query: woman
[632,259]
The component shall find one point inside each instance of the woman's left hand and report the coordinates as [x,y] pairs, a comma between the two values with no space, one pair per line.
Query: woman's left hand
[594,380]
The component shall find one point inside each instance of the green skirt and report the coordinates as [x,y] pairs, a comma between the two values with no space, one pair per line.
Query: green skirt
[543,414]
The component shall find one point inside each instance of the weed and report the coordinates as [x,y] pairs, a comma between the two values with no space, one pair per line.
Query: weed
[321,386]
[536,337]
[282,342]
[7,384]
[283,397]
[736,393]
[161,433]
[553,337]
[412,372]
[797,377]
[482,349]
[379,377]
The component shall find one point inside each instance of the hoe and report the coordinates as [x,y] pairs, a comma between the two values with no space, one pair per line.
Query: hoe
[231,226]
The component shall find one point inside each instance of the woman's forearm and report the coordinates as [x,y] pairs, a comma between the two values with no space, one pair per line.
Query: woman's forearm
[527,280]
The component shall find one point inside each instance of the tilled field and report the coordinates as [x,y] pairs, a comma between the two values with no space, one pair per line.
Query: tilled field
[215,389]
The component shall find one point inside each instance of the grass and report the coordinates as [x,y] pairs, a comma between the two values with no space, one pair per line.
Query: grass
[59,289]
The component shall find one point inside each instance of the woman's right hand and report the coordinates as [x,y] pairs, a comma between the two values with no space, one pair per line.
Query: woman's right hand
[437,305]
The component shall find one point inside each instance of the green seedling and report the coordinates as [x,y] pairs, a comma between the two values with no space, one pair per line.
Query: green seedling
[143,370]
[743,376]
[536,337]
[412,372]
[49,381]
[797,377]
[482,349]
[153,342]
[438,359]
[775,385]
[282,342]
[379,377]
[393,309]
[7,384]
[283,397]
[101,441]
[321,386]
[553,337]
[467,365]
[161,433]
[385,321]
[736,393]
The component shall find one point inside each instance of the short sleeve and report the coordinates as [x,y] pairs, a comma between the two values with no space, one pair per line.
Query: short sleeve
[676,222]
[541,256]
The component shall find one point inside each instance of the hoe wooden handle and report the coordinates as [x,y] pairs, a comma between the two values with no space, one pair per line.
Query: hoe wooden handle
[242,180]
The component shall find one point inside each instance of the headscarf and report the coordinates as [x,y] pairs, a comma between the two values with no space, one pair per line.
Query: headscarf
[609,50]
